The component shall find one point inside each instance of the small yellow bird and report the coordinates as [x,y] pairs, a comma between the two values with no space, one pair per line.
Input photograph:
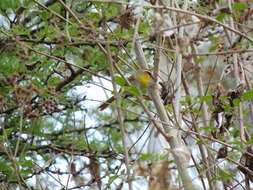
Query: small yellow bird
[140,78]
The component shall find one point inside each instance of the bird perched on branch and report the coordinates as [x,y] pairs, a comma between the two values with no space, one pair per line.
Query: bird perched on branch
[141,78]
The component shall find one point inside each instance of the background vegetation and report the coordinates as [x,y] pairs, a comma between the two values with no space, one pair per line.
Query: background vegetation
[59,59]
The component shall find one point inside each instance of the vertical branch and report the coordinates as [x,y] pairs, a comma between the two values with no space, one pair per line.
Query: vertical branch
[70,11]
[201,92]
[251,101]
[237,78]
[140,56]
[20,131]
[157,58]
[207,162]
[200,145]
[15,166]
[136,28]
[242,130]
[178,85]
[67,23]
[158,36]
[179,150]
[180,48]
[120,116]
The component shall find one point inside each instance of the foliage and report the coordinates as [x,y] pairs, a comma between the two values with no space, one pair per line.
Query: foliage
[52,134]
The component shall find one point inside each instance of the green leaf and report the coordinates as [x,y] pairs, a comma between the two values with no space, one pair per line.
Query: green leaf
[236,142]
[247,95]
[227,108]
[28,163]
[182,102]
[207,128]
[196,111]
[112,178]
[9,4]
[169,107]
[206,98]
[213,48]
[146,156]
[187,98]
[115,135]
[200,60]
[2,138]
[202,141]
[133,90]
[239,6]
[8,131]
[5,166]
[236,101]
[44,15]
[54,80]
[221,16]
[120,81]
[224,175]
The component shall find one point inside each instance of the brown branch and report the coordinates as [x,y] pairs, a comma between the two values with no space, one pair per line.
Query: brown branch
[77,44]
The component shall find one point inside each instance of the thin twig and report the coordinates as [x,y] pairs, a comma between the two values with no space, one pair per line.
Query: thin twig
[219,53]
[120,117]
[52,56]
[51,11]
[20,130]
[203,17]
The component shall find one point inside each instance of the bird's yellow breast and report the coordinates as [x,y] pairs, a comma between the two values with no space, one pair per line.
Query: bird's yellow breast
[144,79]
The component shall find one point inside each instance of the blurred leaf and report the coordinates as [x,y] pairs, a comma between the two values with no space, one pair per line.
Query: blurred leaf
[207,128]
[239,6]
[133,90]
[213,48]
[9,4]
[44,15]
[169,107]
[28,163]
[112,178]
[224,175]
[236,101]
[221,16]
[5,166]
[247,95]
[206,98]
[115,135]
[147,156]
[196,111]
[187,99]
[202,141]
[56,7]
[8,131]
[120,81]
[200,59]
[236,142]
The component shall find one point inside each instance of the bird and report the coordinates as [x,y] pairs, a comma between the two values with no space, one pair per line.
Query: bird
[141,78]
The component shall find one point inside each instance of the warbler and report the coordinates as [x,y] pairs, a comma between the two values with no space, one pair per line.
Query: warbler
[141,78]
